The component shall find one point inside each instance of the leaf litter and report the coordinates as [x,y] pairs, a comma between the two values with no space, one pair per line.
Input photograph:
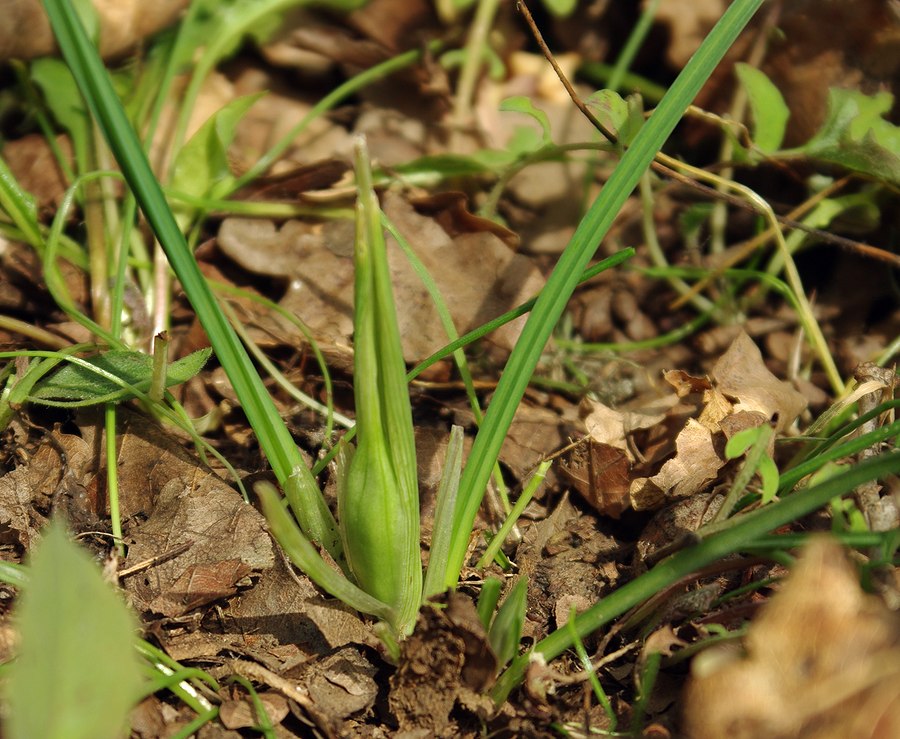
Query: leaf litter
[645,464]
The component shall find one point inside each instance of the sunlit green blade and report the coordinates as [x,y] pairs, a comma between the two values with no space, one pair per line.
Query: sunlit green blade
[378,505]
[593,227]
[315,518]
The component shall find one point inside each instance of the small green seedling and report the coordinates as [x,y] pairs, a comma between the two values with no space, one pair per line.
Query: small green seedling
[505,631]
[378,497]
[105,378]
[754,442]
[377,485]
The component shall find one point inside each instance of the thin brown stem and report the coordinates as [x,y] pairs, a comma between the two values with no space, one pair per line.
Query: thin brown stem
[665,165]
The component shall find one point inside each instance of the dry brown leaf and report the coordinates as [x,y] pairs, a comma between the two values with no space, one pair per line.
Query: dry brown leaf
[287,607]
[272,117]
[34,165]
[822,662]
[686,384]
[221,528]
[25,31]
[184,504]
[45,480]
[601,469]
[199,585]
[742,375]
[716,407]
[477,274]
[601,474]
[241,714]
[535,433]
[606,426]
[609,426]
[341,684]
[695,465]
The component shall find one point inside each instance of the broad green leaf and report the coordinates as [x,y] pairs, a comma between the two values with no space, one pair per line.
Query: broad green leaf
[81,385]
[768,473]
[610,109]
[770,112]
[201,167]
[77,674]
[64,100]
[623,118]
[524,141]
[522,104]
[856,136]
[506,630]
[742,441]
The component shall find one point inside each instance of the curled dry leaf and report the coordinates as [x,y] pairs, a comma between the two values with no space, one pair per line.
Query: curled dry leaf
[697,461]
[822,661]
[342,684]
[25,31]
[740,393]
[741,375]
[601,469]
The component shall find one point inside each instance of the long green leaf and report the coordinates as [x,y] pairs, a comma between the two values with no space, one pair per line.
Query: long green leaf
[593,227]
[304,555]
[274,438]
[378,503]
[748,528]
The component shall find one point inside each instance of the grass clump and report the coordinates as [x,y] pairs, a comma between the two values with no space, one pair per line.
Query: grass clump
[368,554]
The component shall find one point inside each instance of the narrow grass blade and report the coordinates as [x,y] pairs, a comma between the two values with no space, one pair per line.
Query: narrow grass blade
[746,529]
[442,531]
[562,281]
[274,437]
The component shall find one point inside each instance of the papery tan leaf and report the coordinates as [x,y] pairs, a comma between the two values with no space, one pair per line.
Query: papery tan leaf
[684,383]
[696,463]
[716,408]
[25,31]
[822,662]
[742,375]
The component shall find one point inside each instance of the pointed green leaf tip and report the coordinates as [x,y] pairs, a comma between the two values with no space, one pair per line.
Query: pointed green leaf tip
[378,501]
[77,674]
